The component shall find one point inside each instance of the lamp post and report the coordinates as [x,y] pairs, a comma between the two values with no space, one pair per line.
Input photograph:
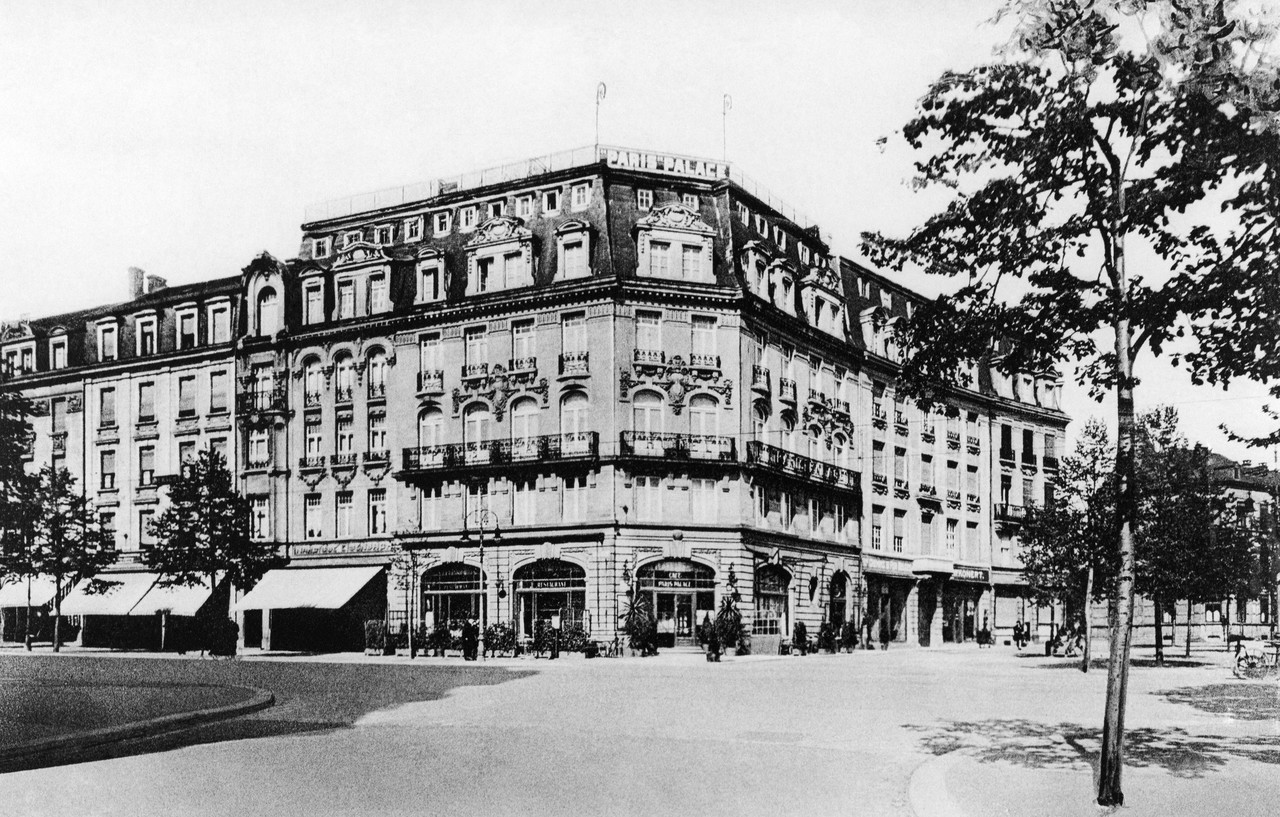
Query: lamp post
[485,520]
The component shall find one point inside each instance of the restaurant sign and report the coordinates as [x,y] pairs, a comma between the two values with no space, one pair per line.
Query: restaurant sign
[971,574]
[663,163]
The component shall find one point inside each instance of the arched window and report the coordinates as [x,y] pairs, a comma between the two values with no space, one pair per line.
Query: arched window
[646,417]
[430,436]
[759,417]
[574,433]
[475,432]
[524,428]
[549,589]
[839,450]
[268,311]
[344,378]
[312,382]
[786,434]
[704,427]
[813,434]
[838,600]
[453,593]
[772,583]
[377,374]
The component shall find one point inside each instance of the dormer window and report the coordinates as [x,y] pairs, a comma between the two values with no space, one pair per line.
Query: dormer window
[187,329]
[644,199]
[744,215]
[500,256]
[524,207]
[689,200]
[581,196]
[573,243]
[551,201]
[220,323]
[58,353]
[674,243]
[762,226]
[443,223]
[382,235]
[107,349]
[350,237]
[413,229]
[377,293]
[779,238]
[28,360]
[496,209]
[146,329]
[321,247]
[430,280]
[313,302]
[804,254]
[467,220]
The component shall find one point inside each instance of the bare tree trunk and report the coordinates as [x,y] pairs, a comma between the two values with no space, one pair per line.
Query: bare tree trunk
[1187,651]
[57,614]
[1159,611]
[1086,653]
[26,627]
[1111,764]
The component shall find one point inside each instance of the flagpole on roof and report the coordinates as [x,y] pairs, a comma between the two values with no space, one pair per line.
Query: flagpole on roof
[724,128]
[601,90]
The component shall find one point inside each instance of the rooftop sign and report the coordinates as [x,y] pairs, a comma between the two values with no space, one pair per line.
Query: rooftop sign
[665,163]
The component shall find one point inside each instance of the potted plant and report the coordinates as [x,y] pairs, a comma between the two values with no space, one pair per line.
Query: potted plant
[375,637]
[799,639]
[827,637]
[848,636]
[439,640]
[728,625]
[640,626]
[499,638]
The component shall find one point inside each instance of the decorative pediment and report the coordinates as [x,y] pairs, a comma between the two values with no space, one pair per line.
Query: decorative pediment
[674,217]
[824,279]
[574,226]
[360,252]
[310,269]
[429,254]
[15,330]
[500,229]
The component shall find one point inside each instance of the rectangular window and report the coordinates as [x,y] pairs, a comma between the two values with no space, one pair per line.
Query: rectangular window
[146,465]
[28,361]
[259,517]
[342,515]
[644,199]
[58,354]
[689,200]
[899,528]
[690,262]
[413,229]
[521,339]
[574,501]
[648,330]
[467,218]
[475,346]
[218,449]
[314,306]
[573,332]
[377,293]
[523,502]
[1006,489]
[378,432]
[351,237]
[704,335]
[346,434]
[106,407]
[382,235]
[969,546]
[319,248]
[430,283]
[217,392]
[927,543]
[187,396]
[429,353]
[58,412]
[107,343]
[814,513]
[659,259]
[146,402]
[146,336]
[314,436]
[477,496]
[107,521]
[1028,492]
[524,206]
[744,215]
[220,323]
[377,511]
[346,299]
[496,208]
[551,201]
[575,260]
[443,223]
[107,470]
[877,527]
[187,331]
[581,196]
[431,501]
[514,271]
[648,498]
[484,275]
[145,538]
[186,456]
[703,498]
[1050,445]
[259,448]
[953,528]
[311,516]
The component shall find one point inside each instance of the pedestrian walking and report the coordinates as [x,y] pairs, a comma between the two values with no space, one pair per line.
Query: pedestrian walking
[1017,634]
[470,640]
[885,631]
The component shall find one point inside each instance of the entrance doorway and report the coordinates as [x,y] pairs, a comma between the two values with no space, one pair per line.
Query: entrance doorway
[547,590]
[684,594]
[451,594]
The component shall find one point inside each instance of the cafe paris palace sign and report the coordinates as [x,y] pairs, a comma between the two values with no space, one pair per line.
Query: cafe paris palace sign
[665,163]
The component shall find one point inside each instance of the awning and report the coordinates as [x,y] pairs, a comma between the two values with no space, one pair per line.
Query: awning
[14,592]
[123,594]
[177,601]
[326,588]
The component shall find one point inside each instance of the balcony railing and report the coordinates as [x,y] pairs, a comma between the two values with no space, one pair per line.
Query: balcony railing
[342,394]
[879,417]
[273,399]
[572,363]
[1029,459]
[431,382]
[787,390]
[927,433]
[312,462]
[311,398]
[760,380]
[548,447]
[953,440]
[698,360]
[928,489]
[475,371]
[379,455]
[1010,513]
[840,406]
[377,389]
[1008,455]
[1050,462]
[650,356]
[343,458]
[522,364]
[879,479]
[662,445]
[797,465]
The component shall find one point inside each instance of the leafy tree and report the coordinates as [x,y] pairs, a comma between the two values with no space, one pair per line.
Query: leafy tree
[66,542]
[1103,124]
[15,511]
[203,535]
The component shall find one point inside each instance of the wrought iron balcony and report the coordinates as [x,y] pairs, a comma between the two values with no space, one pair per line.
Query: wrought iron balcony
[953,497]
[697,360]
[262,400]
[1029,459]
[953,440]
[787,390]
[475,371]
[1010,513]
[343,458]
[900,422]
[1050,462]
[927,433]
[928,489]
[574,363]
[431,381]
[879,417]
[575,445]
[879,479]
[312,462]
[760,381]
[796,465]
[377,389]
[311,398]
[654,357]
[974,500]
[342,394]
[662,445]
[522,364]
[379,455]
[1008,455]
[818,397]
[974,443]
[840,407]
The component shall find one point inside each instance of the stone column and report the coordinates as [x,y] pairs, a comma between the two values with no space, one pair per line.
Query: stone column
[935,621]
[911,615]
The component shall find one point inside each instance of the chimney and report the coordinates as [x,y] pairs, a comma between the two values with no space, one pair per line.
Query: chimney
[155,283]
[135,283]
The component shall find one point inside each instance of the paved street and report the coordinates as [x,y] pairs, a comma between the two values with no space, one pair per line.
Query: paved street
[871,733]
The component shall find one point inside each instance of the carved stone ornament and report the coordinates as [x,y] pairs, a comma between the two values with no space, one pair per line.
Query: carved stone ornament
[15,330]
[502,228]
[40,408]
[312,478]
[361,252]
[674,217]
[376,471]
[499,387]
[75,404]
[673,377]
[343,474]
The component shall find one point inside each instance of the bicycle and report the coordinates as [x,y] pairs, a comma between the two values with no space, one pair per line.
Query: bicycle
[1257,663]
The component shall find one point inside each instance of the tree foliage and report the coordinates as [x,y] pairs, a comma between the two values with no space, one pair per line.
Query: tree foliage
[15,441]
[203,535]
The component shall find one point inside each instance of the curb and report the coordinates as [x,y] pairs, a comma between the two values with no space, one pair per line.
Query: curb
[52,751]
[927,789]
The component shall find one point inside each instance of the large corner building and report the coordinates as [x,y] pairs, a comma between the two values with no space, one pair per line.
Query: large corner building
[538,390]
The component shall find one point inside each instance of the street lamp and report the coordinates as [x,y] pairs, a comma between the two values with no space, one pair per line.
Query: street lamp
[485,520]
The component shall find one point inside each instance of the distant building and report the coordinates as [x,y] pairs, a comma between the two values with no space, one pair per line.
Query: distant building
[561,384]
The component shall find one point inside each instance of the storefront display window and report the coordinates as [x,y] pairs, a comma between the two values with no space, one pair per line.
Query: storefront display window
[771,601]
[453,593]
[547,589]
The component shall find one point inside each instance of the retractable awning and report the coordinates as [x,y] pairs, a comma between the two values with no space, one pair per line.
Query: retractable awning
[326,588]
[14,592]
[124,592]
[177,601]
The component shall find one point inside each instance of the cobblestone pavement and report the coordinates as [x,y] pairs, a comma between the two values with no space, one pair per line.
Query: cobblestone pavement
[948,731]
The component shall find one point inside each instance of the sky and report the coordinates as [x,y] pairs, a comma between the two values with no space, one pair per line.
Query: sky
[186,138]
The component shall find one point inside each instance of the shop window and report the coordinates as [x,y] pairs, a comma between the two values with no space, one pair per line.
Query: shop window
[772,583]
[453,593]
[549,589]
